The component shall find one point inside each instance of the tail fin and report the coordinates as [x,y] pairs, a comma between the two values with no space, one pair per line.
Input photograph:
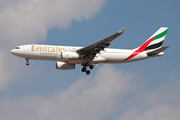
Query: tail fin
[155,41]
[158,38]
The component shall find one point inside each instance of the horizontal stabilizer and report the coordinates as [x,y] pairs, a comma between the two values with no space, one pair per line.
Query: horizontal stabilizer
[155,52]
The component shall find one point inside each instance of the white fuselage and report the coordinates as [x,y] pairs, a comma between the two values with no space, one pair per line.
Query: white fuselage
[67,57]
[68,54]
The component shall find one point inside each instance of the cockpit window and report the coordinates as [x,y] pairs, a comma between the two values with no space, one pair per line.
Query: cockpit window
[17,48]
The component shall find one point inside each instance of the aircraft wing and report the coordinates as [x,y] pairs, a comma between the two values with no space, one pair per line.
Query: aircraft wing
[95,48]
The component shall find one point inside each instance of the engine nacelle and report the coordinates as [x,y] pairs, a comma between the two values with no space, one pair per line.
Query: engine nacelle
[70,55]
[64,66]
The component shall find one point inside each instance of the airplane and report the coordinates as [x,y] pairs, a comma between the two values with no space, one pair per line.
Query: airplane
[67,57]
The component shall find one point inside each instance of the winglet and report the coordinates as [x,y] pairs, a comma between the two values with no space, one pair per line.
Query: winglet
[122,30]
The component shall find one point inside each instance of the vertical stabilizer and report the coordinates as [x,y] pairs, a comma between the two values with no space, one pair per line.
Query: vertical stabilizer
[153,43]
[157,38]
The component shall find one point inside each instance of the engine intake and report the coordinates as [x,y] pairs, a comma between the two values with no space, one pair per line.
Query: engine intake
[64,66]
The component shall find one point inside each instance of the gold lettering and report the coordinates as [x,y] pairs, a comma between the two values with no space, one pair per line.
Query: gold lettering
[39,48]
[32,48]
[48,48]
[59,49]
[45,48]
[56,49]
[73,48]
[64,49]
[52,50]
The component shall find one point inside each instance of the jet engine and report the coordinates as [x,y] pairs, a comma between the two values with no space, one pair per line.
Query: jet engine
[70,55]
[64,66]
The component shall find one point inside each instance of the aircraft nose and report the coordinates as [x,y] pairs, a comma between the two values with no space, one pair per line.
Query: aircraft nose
[12,51]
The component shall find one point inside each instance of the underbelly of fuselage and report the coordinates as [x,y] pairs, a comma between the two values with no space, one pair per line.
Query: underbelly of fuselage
[111,58]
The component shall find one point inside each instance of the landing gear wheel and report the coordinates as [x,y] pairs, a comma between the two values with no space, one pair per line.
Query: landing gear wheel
[83,69]
[86,64]
[87,72]
[27,63]
[91,66]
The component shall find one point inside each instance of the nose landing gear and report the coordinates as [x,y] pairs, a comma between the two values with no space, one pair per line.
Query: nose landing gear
[27,62]
[84,69]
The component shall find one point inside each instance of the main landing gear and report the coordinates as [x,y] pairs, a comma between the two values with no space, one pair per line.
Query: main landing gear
[27,62]
[84,69]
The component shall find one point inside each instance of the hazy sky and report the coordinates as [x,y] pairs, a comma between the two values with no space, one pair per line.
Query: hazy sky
[144,90]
